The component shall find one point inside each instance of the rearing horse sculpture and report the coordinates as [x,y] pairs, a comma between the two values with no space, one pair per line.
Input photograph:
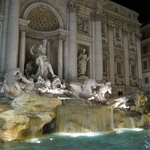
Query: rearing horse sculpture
[89,89]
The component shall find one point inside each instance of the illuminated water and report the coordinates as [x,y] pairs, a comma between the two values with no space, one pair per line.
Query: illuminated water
[126,140]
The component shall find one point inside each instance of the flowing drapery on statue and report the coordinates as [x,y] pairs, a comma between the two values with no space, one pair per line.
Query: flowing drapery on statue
[82,63]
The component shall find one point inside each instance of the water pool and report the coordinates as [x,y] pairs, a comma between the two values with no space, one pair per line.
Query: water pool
[117,140]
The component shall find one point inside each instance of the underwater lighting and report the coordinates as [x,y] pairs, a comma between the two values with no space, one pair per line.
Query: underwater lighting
[91,134]
[66,98]
[51,139]
[120,130]
[35,140]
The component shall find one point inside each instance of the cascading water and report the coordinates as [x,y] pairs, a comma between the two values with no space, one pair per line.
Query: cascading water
[83,119]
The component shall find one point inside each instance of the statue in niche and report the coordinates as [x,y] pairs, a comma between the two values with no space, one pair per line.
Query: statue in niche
[44,69]
[41,49]
[82,63]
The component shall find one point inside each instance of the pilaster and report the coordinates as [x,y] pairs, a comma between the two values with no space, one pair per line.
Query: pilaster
[72,44]
[60,57]
[96,17]
[12,39]
[126,54]
[23,28]
[111,52]
[138,47]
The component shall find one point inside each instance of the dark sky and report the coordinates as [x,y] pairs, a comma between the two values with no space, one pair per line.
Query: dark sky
[140,6]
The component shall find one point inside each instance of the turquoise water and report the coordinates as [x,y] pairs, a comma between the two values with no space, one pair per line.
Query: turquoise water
[118,140]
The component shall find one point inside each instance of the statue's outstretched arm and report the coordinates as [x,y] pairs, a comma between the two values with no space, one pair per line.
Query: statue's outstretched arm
[31,50]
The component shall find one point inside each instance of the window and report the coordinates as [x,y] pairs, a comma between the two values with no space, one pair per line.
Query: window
[119,65]
[130,16]
[146,80]
[132,63]
[105,66]
[116,10]
[104,29]
[144,50]
[133,70]
[117,32]
[145,65]
[131,37]
[119,70]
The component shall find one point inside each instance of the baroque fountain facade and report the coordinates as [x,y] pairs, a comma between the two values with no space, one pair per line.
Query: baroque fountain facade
[72,61]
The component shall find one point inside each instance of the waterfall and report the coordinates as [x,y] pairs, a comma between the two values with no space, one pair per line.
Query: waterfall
[132,122]
[33,128]
[34,124]
[83,119]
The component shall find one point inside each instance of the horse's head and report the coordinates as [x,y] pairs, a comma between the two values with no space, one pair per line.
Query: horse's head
[104,88]
[108,87]
[89,85]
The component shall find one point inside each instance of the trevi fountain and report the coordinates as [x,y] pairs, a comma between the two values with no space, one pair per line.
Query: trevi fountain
[38,110]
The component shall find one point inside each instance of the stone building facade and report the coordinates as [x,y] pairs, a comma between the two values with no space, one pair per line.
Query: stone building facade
[145,52]
[108,31]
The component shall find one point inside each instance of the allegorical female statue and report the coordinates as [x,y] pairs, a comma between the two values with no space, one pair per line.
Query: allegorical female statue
[82,63]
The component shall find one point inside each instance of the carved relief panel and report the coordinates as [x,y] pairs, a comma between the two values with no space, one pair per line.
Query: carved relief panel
[83,24]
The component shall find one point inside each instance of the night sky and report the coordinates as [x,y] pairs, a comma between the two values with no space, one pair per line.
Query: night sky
[140,6]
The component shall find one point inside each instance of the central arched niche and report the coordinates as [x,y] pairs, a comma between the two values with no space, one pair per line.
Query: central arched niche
[42,19]
[45,23]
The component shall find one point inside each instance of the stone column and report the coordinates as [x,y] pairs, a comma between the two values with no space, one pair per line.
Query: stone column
[60,57]
[12,38]
[96,16]
[4,34]
[126,55]
[72,43]
[66,64]
[48,49]
[111,52]
[92,57]
[23,30]
[138,47]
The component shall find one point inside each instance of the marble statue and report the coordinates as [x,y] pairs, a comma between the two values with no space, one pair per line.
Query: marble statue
[141,99]
[82,63]
[15,84]
[92,90]
[42,86]
[103,88]
[41,63]
[44,67]
[41,49]
[120,103]
[84,90]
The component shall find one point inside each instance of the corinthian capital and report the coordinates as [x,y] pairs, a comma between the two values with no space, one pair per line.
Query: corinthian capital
[23,28]
[72,7]
[96,16]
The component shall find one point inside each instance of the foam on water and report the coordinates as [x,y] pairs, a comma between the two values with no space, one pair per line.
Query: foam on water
[136,139]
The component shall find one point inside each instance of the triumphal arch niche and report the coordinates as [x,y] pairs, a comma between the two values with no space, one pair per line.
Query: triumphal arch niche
[44,22]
